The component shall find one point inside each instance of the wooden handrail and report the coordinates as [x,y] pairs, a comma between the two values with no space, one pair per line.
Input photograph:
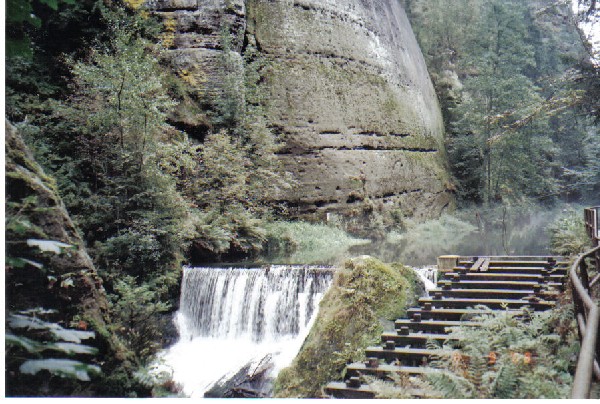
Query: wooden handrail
[587,314]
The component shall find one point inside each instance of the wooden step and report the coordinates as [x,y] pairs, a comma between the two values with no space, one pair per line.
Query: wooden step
[495,276]
[498,304]
[448,314]
[406,356]
[413,339]
[499,283]
[341,390]
[432,326]
[493,293]
[511,285]
[523,269]
[383,370]
[516,262]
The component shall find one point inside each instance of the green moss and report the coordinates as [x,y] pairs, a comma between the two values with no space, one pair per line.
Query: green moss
[365,294]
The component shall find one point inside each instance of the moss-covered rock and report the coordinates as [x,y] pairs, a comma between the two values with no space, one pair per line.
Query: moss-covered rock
[366,297]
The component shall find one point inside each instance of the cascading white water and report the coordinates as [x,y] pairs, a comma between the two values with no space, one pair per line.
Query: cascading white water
[428,275]
[229,317]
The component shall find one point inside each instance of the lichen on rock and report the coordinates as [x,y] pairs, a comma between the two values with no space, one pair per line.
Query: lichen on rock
[367,295]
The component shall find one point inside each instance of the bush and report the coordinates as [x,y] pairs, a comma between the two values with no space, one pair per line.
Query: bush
[567,234]
[505,357]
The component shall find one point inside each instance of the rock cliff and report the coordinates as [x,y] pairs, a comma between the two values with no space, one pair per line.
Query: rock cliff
[344,84]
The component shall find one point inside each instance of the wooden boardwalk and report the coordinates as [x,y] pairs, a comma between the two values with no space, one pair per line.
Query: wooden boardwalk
[500,283]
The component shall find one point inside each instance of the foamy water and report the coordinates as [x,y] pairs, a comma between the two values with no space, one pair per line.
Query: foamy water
[231,317]
[428,275]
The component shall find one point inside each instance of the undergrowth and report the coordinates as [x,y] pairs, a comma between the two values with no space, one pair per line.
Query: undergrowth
[567,234]
[505,357]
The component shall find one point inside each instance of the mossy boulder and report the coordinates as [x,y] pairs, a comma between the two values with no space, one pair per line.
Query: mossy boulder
[367,295]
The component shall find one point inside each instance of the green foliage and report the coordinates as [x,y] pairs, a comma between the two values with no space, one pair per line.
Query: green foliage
[20,18]
[504,71]
[567,234]
[231,103]
[301,242]
[34,345]
[365,294]
[120,89]
[505,357]
[137,309]
[529,354]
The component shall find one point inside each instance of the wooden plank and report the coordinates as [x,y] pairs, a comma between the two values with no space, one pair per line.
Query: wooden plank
[449,314]
[495,276]
[415,340]
[340,390]
[433,326]
[477,264]
[494,304]
[485,265]
[408,356]
[359,368]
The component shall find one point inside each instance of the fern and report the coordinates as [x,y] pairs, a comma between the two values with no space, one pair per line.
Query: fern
[505,382]
[29,338]
[450,385]
[506,357]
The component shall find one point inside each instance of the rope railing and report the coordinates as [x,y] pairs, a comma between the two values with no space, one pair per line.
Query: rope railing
[587,314]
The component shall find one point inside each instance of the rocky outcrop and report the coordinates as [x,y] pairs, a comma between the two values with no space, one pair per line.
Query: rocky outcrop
[344,84]
[47,266]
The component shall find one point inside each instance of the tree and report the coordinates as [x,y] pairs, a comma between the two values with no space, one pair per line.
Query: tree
[504,73]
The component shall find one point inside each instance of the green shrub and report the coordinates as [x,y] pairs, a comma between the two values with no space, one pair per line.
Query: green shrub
[505,357]
[567,234]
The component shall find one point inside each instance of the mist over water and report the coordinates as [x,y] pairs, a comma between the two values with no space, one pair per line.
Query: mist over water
[490,231]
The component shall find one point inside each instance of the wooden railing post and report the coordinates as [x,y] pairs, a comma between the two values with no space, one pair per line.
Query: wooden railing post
[587,314]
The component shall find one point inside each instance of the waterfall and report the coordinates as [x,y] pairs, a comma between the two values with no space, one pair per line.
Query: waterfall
[229,317]
[428,275]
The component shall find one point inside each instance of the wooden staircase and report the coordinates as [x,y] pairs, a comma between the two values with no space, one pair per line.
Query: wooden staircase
[499,283]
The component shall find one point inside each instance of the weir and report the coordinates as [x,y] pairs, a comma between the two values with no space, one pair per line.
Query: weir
[230,317]
[252,303]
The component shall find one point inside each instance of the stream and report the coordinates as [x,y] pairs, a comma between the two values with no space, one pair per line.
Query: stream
[257,315]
